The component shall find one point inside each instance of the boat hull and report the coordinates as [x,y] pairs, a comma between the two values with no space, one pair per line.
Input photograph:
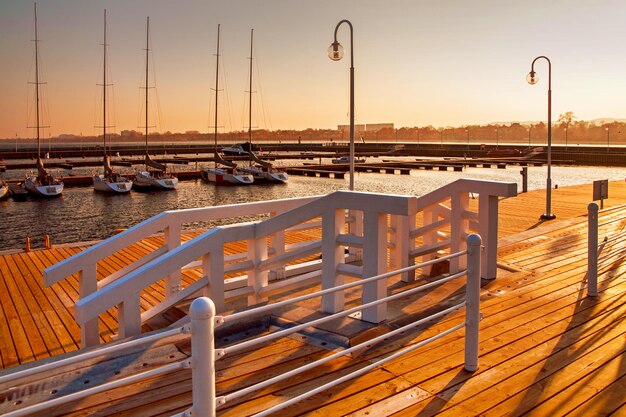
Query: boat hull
[37,189]
[145,181]
[221,177]
[103,184]
[264,176]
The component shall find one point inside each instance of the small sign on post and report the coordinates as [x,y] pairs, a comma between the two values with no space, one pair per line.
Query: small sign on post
[600,191]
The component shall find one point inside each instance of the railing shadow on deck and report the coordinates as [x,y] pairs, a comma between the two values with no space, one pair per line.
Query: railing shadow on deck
[578,339]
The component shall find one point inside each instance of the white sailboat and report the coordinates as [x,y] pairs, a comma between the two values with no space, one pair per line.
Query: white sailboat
[109,181]
[262,171]
[42,184]
[224,172]
[156,178]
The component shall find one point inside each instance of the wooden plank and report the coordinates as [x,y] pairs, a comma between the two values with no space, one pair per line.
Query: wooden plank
[32,346]
[12,334]
[62,340]
[600,392]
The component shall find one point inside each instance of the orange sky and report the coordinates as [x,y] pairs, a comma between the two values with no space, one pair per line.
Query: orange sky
[445,63]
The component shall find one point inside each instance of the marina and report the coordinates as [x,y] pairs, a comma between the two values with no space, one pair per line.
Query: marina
[75,211]
[412,237]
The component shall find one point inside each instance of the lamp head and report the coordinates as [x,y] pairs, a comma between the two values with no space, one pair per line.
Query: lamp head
[532,78]
[335,51]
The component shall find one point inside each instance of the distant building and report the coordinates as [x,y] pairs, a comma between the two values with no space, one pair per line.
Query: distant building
[375,127]
[370,127]
[346,128]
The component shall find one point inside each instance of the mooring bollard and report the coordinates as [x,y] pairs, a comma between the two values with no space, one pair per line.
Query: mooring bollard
[46,241]
[27,249]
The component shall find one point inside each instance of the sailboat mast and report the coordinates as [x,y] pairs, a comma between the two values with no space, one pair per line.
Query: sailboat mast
[104,86]
[217,70]
[147,50]
[37,81]
[250,93]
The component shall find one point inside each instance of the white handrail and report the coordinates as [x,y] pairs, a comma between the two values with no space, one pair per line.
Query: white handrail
[267,308]
[276,335]
[157,223]
[36,408]
[472,304]
[47,367]
[122,289]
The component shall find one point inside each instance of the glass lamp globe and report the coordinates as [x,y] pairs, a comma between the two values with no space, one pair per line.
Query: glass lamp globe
[532,78]
[335,51]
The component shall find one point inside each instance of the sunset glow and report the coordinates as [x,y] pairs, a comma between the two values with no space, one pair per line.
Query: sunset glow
[417,63]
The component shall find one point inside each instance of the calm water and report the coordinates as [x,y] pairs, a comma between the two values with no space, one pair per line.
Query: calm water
[83,215]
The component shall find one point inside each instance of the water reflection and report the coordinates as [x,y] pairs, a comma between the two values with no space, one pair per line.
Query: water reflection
[81,214]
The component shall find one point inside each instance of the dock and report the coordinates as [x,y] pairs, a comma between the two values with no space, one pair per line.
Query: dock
[545,348]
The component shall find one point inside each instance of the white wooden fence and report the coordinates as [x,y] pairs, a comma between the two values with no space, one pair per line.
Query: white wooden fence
[409,229]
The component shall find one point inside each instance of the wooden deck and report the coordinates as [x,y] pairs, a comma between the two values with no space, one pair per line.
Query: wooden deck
[545,348]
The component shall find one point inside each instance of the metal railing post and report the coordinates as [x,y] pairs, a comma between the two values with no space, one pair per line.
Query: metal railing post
[202,312]
[592,250]
[472,307]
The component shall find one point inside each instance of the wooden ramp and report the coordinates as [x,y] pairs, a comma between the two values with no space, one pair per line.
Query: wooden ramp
[545,348]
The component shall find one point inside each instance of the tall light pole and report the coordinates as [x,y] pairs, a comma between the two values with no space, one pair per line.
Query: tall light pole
[533,79]
[335,53]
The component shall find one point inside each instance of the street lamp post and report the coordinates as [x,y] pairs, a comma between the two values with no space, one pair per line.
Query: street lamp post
[335,53]
[533,79]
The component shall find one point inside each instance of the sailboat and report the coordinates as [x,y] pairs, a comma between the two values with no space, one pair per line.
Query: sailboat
[156,178]
[262,171]
[226,172]
[109,181]
[42,184]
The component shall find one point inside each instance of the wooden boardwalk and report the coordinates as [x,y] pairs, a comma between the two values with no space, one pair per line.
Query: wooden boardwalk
[545,348]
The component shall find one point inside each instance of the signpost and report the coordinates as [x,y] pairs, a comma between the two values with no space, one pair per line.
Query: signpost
[600,191]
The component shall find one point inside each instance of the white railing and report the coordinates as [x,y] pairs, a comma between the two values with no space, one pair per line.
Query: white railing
[421,229]
[612,246]
[204,355]
[170,223]
[204,318]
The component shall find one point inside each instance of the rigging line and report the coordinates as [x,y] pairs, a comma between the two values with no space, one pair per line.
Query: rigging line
[264,109]
[228,115]
[159,113]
